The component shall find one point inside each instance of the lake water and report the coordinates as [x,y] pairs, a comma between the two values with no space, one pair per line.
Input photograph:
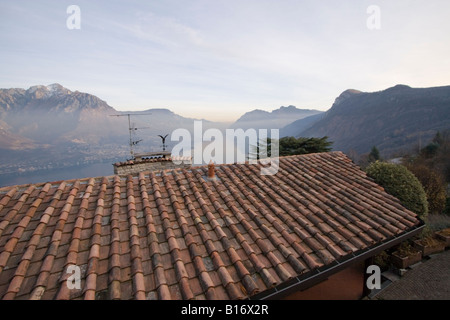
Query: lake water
[78,172]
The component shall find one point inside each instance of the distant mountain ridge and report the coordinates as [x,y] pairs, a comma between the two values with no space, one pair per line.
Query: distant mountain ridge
[276,119]
[53,114]
[398,118]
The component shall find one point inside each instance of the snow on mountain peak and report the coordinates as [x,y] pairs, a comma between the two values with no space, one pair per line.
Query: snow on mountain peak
[57,88]
[49,90]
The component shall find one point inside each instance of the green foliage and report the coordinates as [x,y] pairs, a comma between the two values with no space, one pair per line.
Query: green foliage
[439,139]
[374,154]
[430,150]
[432,167]
[289,146]
[436,155]
[382,260]
[438,222]
[447,206]
[405,249]
[398,181]
[433,184]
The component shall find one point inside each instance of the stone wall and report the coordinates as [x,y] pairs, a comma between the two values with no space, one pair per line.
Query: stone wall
[147,166]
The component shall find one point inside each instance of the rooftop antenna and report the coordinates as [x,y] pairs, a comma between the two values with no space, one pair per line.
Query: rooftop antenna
[131,129]
[164,145]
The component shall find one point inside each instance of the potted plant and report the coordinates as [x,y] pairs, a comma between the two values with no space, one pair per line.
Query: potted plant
[405,255]
[429,245]
[444,235]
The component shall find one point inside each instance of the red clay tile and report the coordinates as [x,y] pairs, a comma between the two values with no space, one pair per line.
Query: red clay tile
[91,283]
[206,281]
[164,292]
[225,276]
[37,293]
[137,266]
[83,257]
[22,268]
[72,258]
[47,263]
[10,245]
[185,289]
[138,282]
[195,286]
[160,277]
[89,295]
[42,279]
[95,251]
[114,290]
[173,244]
[14,287]
[97,228]
[181,270]
[114,274]
[210,247]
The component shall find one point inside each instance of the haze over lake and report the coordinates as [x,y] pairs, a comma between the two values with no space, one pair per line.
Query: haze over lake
[76,172]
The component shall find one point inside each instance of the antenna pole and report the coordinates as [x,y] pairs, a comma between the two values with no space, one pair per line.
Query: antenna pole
[131,139]
[130,128]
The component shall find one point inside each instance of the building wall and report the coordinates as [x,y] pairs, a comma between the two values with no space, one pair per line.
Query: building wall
[347,284]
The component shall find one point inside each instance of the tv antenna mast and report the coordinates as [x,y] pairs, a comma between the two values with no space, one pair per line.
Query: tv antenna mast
[132,129]
[164,145]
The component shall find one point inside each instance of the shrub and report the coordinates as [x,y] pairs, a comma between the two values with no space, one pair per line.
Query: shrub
[438,222]
[398,181]
[447,207]
[382,260]
[433,185]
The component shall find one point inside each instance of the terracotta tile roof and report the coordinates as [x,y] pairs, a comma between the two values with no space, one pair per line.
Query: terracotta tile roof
[178,235]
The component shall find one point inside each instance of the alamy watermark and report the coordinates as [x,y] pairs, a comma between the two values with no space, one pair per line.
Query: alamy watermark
[373,22]
[231,148]
[74,280]
[374,280]
[74,19]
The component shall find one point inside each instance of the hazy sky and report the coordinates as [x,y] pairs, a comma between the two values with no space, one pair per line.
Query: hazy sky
[217,59]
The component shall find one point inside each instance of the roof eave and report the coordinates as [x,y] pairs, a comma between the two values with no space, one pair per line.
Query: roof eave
[316,276]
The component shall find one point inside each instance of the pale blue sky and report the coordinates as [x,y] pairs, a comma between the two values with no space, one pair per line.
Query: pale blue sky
[216,59]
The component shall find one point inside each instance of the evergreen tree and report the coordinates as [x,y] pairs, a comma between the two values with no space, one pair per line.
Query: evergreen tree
[291,146]
[438,138]
[374,154]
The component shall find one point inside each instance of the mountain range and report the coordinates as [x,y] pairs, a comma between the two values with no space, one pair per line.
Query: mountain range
[54,115]
[45,127]
[394,120]
[277,119]
[50,115]
[51,126]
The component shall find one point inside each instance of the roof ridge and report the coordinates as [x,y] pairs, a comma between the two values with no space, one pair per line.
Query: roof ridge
[174,170]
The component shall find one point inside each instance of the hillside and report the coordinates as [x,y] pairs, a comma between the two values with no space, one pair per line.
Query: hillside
[293,129]
[396,119]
